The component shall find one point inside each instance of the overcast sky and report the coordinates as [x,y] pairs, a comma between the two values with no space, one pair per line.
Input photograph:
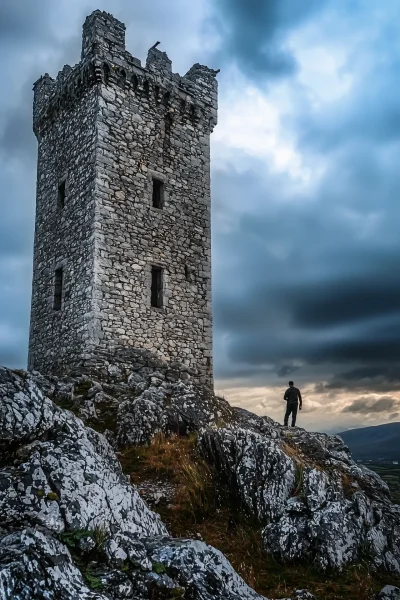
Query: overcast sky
[305,188]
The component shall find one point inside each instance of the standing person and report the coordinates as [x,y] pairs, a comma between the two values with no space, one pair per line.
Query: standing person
[294,402]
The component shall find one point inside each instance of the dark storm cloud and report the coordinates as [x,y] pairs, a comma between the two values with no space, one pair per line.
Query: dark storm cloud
[372,405]
[17,139]
[22,20]
[253,33]
[287,370]
[311,276]
[379,377]
[313,280]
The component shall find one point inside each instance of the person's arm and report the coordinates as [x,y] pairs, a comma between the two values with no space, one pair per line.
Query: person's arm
[300,400]
[284,396]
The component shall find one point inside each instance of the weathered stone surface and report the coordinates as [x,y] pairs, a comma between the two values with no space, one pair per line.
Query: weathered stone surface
[137,405]
[36,566]
[315,502]
[303,595]
[168,408]
[59,477]
[66,475]
[201,568]
[255,466]
[106,128]
[389,592]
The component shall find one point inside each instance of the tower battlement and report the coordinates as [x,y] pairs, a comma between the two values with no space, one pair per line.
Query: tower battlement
[122,255]
[104,59]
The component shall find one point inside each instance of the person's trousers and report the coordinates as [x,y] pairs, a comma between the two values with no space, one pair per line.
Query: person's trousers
[291,409]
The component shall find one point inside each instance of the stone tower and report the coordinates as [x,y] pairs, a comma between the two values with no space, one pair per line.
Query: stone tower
[122,255]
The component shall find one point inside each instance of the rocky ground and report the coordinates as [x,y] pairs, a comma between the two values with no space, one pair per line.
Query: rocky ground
[73,526]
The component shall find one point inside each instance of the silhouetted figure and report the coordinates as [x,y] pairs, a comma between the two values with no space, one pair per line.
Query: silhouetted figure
[294,402]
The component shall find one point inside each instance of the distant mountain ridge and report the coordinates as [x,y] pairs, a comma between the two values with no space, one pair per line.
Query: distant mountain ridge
[377,442]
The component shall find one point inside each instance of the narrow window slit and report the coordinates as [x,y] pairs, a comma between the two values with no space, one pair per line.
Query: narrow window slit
[158,193]
[61,194]
[58,288]
[156,287]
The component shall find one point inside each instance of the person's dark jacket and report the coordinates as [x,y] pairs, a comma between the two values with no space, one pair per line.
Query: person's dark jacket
[292,395]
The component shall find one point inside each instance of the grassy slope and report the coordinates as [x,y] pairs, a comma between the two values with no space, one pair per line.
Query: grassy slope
[201,506]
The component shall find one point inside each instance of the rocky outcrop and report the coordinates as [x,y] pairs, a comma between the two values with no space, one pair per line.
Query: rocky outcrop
[389,592]
[315,502]
[136,405]
[64,475]
[72,526]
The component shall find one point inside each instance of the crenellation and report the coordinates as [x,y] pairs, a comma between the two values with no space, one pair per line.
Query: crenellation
[158,62]
[112,129]
[197,90]
[102,33]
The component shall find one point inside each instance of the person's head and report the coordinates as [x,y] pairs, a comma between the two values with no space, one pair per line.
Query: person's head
[291,383]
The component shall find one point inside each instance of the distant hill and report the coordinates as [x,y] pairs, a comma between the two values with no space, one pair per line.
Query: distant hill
[379,442]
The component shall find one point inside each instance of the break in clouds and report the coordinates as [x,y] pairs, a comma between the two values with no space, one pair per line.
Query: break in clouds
[305,184]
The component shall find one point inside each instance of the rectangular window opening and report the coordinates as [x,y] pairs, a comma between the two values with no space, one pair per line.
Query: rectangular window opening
[61,194]
[158,193]
[58,286]
[156,287]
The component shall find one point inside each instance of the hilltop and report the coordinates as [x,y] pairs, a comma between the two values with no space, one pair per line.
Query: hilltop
[135,485]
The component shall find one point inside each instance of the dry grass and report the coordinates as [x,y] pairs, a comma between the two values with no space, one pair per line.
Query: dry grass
[293,452]
[203,507]
[176,460]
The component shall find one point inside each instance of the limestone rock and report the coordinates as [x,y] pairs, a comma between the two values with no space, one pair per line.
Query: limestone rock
[69,477]
[168,408]
[389,592]
[61,478]
[314,501]
[58,477]
[201,568]
[36,566]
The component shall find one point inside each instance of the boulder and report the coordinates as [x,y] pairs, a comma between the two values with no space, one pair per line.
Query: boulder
[389,592]
[63,475]
[314,501]
[72,526]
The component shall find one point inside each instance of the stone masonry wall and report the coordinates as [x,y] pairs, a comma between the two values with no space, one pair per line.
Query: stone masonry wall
[120,125]
[63,236]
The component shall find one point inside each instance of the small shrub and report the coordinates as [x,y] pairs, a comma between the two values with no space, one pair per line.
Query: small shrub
[158,568]
[92,581]
[52,496]
[299,489]
[100,535]
[72,538]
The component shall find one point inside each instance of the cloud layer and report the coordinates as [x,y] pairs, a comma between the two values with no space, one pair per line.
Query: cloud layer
[305,187]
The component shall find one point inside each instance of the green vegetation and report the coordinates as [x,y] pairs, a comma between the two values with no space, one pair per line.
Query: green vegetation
[390,473]
[82,558]
[158,568]
[52,496]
